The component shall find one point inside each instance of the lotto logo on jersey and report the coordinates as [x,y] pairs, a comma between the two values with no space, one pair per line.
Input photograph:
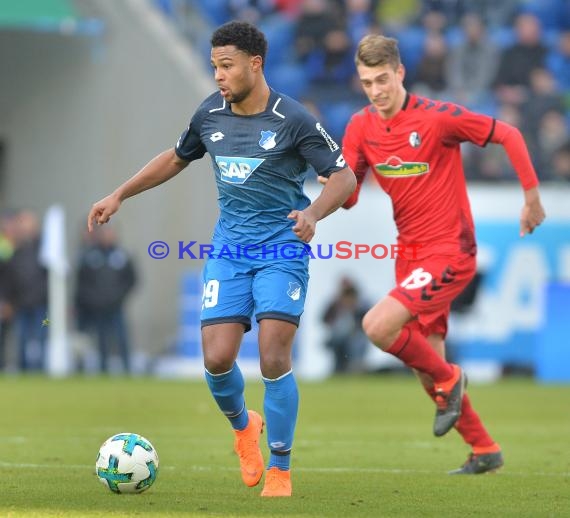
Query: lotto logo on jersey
[396,167]
[237,169]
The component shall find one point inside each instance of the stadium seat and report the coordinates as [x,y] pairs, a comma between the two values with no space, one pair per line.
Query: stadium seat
[547,11]
[280,33]
[454,36]
[288,78]
[550,37]
[502,36]
[411,43]
[336,117]
[166,6]
[487,105]
[214,11]
[559,67]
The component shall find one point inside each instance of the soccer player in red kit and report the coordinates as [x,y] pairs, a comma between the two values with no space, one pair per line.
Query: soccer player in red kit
[412,147]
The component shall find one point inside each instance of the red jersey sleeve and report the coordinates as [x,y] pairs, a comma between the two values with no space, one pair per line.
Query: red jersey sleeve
[354,156]
[458,124]
[461,125]
[512,140]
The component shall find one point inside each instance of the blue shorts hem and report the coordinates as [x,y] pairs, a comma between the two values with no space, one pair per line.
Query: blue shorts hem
[276,315]
[246,321]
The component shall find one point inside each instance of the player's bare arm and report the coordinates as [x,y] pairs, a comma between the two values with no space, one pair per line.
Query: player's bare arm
[532,214]
[338,188]
[161,168]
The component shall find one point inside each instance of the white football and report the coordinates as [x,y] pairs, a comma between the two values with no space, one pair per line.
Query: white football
[127,463]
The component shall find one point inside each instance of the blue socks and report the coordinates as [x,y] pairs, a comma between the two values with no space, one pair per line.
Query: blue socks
[280,405]
[227,389]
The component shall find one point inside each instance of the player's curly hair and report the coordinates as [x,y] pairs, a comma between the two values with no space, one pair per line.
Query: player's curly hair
[243,35]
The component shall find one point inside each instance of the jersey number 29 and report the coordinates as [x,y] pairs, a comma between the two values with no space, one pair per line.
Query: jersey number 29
[210,294]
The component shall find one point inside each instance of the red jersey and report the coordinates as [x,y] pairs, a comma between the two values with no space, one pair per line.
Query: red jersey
[415,157]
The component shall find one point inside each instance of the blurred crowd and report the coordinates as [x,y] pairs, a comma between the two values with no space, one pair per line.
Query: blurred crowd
[103,277]
[23,289]
[507,58]
[345,338]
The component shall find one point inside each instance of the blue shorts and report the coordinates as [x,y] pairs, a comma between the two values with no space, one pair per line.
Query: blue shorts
[235,288]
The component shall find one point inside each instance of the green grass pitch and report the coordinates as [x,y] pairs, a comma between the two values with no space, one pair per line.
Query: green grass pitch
[363,448]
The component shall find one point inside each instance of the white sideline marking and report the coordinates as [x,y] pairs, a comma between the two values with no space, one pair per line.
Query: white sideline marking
[17,465]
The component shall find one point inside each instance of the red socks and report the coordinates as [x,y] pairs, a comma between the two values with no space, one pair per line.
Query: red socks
[415,351]
[470,427]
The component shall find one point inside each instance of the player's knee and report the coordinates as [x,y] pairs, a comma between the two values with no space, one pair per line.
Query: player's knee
[379,330]
[274,365]
[217,363]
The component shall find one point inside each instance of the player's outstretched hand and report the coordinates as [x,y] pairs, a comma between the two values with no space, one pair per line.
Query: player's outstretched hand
[305,224]
[102,211]
[532,215]
[322,179]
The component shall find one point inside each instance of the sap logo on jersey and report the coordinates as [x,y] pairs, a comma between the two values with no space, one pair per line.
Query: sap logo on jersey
[237,169]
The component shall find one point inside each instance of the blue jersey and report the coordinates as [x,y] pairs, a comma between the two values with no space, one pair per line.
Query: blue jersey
[260,162]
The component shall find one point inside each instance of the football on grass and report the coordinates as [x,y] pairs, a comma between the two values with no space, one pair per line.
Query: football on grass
[127,463]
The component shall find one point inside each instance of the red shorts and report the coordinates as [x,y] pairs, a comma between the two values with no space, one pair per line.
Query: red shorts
[428,286]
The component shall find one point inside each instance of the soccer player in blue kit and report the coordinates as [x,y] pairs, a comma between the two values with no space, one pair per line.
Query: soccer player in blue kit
[261,144]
